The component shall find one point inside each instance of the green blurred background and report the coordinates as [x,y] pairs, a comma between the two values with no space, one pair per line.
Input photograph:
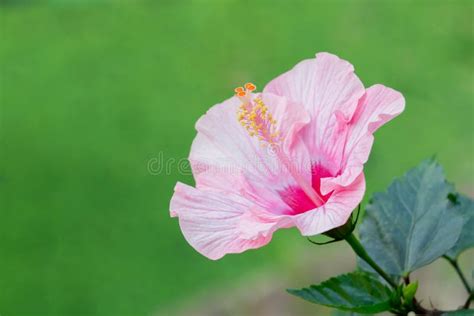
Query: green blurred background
[92,91]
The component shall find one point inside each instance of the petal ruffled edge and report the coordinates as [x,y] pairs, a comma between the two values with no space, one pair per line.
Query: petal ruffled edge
[379,105]
[327,87]
[218,223]
[324,83]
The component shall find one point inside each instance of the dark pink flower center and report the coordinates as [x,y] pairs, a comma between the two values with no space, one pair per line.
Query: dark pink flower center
[297,199]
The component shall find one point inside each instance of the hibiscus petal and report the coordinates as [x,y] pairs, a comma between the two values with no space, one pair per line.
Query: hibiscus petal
[379,105]
[212,222]
[328,87]
[224,148]
[335,212]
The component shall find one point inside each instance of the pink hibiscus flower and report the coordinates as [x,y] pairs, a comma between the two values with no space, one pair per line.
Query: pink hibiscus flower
[292,155]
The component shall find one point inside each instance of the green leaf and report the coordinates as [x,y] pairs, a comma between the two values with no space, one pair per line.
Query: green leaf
[465,206]
[411,224]
[355,292]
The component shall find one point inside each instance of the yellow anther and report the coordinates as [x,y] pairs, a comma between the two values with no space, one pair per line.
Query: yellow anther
[254,116]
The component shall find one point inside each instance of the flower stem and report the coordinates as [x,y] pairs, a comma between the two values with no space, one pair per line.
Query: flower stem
[360,251]
[456,267]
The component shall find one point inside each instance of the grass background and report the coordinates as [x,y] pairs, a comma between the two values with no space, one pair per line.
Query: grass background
[92,90]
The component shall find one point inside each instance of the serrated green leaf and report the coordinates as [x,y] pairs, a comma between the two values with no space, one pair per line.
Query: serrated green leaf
[465,206]
[356,292]
[411,224]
